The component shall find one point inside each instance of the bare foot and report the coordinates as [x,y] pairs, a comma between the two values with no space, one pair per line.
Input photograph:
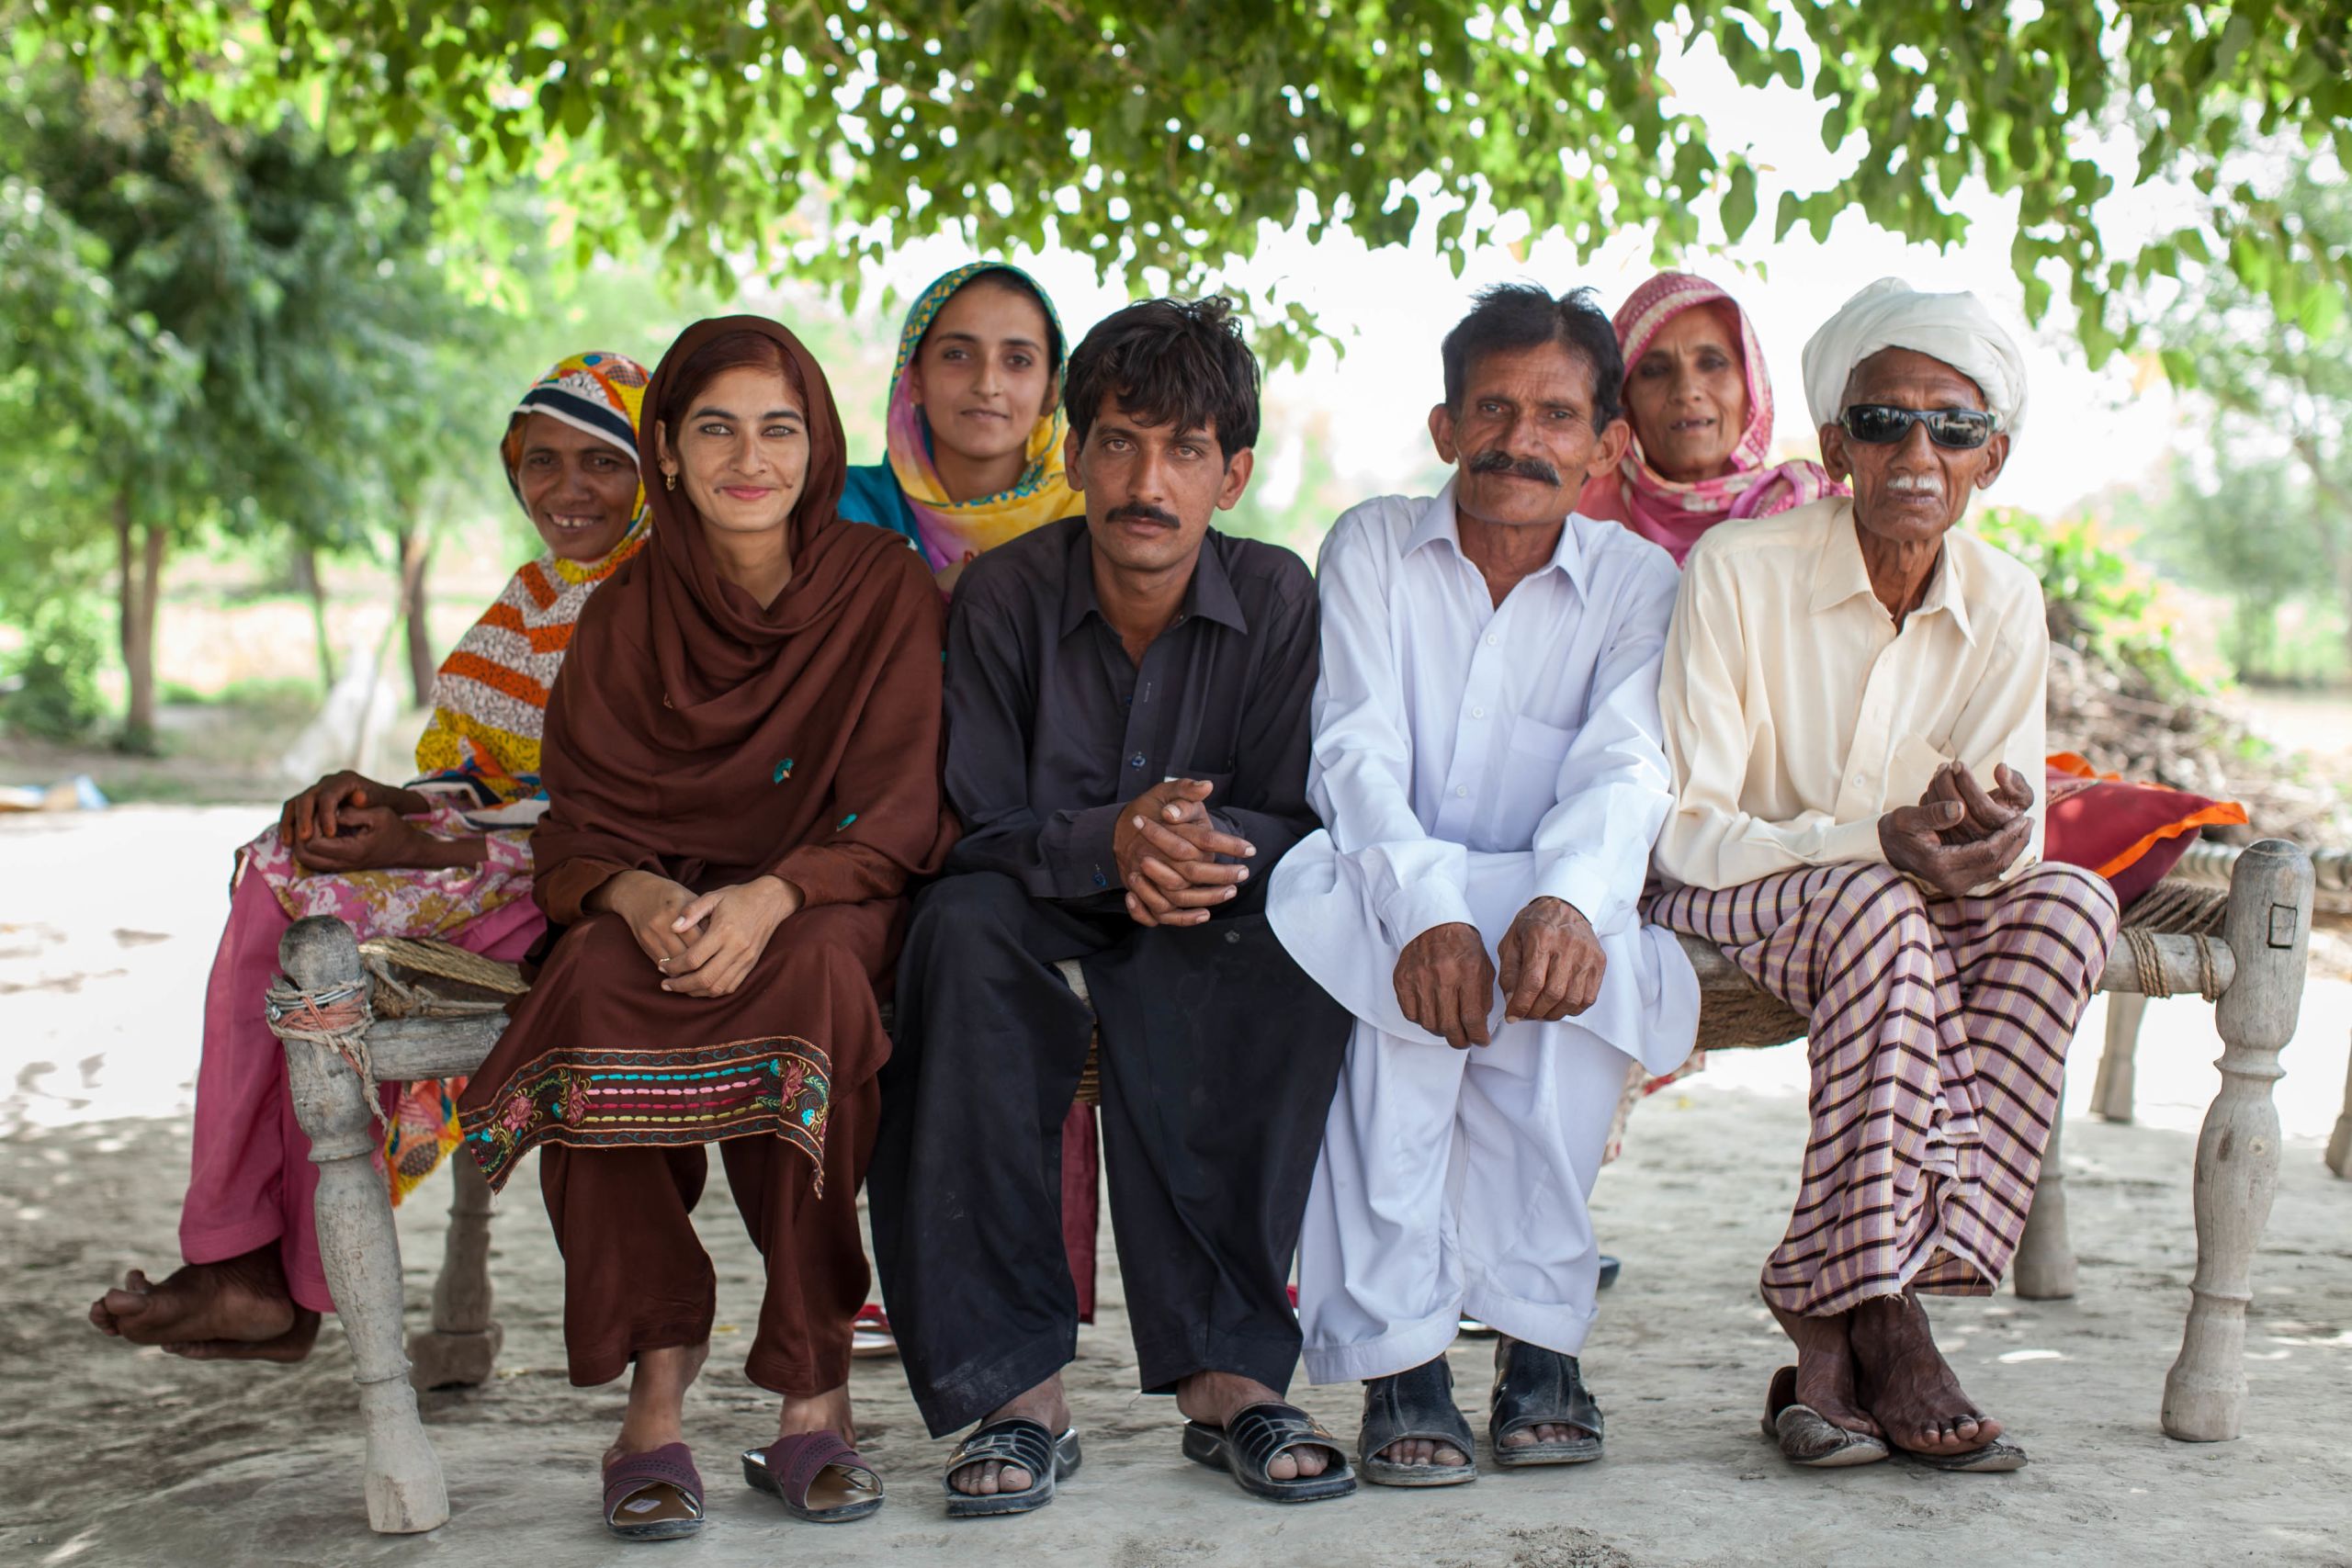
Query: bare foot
[243,1299]
[827,1412]
[1542,1432]
[990,1477]
[292,1346]
[1910,1388]
[1825,1371]
[657,1399]
[1214,1399]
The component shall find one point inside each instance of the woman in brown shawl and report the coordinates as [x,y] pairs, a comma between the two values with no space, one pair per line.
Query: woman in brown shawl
[740,765]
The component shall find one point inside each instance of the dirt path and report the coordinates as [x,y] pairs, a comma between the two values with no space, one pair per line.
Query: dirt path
[117,1456]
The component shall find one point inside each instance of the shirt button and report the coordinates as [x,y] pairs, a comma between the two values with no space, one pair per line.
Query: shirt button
[1231,937]
[1494,641]
[1477,713]
[1100,880]
[1461,792]
[1136,761]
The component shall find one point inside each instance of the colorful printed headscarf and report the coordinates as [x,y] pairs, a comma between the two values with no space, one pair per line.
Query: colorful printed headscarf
[491,696]
[952,533]
[1669,512]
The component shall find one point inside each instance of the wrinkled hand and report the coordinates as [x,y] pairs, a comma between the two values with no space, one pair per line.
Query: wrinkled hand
[1916,840]
[727,929]
[1445,982]
[1551,964]
[1166,851]
[322,810]
[649,906]
[367,838]
[1984,815]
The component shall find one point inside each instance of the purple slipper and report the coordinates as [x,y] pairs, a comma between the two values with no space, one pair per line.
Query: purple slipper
[655,1495]
[817,1476]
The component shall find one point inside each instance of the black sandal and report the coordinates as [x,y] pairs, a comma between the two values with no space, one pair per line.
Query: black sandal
[1248,1446]
[1019,1441]
[1414,1405]
[1535,1387]
[1808,1437]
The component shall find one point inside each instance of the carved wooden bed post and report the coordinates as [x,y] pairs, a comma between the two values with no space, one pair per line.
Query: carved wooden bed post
[2112,1091]
[2267,930]
[462,1346]
[2043,1269]
[2339,1143]
[357,1242]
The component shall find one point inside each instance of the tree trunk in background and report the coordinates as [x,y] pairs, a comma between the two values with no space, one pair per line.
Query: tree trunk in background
[416,553]
[302,565]
[139,555]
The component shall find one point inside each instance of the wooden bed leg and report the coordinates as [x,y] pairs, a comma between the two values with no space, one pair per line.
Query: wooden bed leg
[2111,1090]
[2043,1269]
[2269,929]
[462,1346]
[2339,1146]
[360,1250]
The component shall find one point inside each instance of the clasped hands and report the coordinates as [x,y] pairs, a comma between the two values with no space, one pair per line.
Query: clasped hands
[1551,966]
[1959,836]
[1168,853]
[703,944]
[348,822]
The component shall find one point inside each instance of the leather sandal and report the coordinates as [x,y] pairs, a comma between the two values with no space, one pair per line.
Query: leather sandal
[1808,1437]
[817,1476]
[1246,1446]
[1019,1441]
[1414,1405]
[1535,1387]
[1995,1457]
[653,1496]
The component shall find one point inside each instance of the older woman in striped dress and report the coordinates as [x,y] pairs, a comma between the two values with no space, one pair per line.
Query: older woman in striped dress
[447,856]
[1852,697]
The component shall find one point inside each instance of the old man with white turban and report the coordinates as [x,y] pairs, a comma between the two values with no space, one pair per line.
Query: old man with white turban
[1852,699]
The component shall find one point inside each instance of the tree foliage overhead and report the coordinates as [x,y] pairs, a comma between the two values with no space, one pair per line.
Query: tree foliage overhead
[1157,138]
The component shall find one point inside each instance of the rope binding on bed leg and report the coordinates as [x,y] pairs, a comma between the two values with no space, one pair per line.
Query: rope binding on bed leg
[336,1018]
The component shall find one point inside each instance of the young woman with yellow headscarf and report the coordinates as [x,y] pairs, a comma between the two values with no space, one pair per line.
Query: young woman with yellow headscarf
[976,427]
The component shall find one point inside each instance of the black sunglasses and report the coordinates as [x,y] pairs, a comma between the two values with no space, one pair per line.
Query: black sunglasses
[1882,425]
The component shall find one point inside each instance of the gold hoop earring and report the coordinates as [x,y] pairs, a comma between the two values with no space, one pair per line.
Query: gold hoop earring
[669,479]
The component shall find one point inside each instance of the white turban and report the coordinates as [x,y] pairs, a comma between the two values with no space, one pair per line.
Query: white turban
[1890,314]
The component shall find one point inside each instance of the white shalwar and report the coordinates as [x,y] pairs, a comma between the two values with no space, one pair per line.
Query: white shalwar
[1469,758]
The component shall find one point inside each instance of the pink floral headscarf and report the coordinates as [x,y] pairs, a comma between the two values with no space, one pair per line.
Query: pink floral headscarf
[1669,512]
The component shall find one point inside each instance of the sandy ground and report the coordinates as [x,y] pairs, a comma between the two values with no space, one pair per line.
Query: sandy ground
[122,1456]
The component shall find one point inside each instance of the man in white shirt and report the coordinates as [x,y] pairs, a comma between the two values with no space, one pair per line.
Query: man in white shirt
[1488,763]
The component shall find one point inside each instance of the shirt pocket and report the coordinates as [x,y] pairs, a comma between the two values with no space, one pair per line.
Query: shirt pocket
[1530,781]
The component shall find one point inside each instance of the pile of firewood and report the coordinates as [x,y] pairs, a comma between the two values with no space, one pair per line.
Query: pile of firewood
[2115,717]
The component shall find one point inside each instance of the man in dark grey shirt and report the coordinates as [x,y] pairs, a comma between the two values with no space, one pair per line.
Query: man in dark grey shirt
[1127,706]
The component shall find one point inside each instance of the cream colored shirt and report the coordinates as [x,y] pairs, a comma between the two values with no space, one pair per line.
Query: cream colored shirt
[1796,715]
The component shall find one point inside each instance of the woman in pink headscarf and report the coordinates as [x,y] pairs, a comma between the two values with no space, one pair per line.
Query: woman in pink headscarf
[1701,404]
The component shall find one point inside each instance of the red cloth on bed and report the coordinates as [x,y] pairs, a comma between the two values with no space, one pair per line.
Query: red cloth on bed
[2129,834]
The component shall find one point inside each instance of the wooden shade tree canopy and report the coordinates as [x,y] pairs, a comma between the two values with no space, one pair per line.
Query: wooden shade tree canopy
[813,134]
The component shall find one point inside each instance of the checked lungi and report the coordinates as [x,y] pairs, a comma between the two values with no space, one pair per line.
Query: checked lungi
[1938,1032]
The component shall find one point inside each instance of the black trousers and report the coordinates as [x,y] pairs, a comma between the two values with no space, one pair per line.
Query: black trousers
[1218,1060]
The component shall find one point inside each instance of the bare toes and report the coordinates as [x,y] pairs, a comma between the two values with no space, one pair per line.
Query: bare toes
[1282,1467]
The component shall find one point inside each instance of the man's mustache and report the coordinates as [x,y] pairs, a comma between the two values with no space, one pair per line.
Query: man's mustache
[1498,461]
[1137,512]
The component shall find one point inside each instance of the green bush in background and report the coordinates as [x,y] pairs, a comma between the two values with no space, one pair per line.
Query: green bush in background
[55,675]
[2101,602]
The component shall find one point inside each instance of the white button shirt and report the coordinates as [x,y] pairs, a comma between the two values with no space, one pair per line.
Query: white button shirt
[1797,714]
[1471,757]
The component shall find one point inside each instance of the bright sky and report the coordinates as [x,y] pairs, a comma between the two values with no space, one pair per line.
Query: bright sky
[2084,431]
